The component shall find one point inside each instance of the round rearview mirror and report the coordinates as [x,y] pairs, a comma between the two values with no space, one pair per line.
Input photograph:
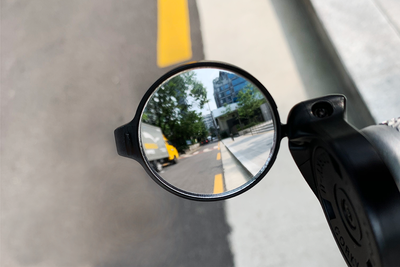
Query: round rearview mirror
[207,131]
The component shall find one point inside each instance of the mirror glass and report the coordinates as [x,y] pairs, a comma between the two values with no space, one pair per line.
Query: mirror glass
[207,131]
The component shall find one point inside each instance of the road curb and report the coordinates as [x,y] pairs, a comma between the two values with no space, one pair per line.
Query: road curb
[227,148]
[351,87]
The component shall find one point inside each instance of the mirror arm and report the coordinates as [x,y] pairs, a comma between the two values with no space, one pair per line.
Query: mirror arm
[356,190]
[284,129]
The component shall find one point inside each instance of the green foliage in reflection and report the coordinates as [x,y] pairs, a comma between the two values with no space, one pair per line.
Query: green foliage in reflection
[227,112]
[249,101]
[172,108]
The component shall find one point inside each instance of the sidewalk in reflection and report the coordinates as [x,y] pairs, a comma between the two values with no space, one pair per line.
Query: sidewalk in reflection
[252,151]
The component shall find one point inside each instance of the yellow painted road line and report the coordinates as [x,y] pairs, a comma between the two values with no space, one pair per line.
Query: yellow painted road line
[173,42]
[218,146]
[219,156]
[218,184]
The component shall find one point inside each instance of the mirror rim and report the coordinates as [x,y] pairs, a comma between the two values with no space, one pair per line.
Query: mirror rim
[128,137]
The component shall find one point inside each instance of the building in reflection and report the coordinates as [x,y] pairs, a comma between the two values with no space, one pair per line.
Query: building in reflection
[228,120]
[208,121]
[226,88]
[233,116]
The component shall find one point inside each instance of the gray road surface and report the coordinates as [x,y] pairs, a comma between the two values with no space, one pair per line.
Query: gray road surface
[195,172]
[73,71]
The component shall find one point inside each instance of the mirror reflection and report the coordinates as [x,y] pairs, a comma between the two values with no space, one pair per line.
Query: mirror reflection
[207,131]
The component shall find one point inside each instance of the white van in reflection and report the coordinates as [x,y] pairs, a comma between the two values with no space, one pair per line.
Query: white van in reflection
[157,148]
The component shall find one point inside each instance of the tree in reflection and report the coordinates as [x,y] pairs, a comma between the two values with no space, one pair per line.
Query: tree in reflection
[249,101]
[173,108]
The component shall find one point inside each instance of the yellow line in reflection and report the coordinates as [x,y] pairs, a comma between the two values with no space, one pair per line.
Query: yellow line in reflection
[218,184]
[219,156]
[173,42]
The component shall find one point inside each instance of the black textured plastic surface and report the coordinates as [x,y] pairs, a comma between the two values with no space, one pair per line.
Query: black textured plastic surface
[353,184]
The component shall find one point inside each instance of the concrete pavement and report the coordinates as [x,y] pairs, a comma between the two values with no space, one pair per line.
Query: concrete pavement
[235,173]
[279,221]
[364,35]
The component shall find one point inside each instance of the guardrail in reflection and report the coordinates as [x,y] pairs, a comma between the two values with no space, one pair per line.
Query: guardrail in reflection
[259,128]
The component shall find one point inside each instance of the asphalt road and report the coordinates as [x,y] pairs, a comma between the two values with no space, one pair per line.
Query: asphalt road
[72,72]
[196,171]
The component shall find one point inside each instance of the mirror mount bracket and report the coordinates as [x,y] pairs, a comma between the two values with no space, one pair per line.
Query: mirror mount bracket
[356,190]
[284,129]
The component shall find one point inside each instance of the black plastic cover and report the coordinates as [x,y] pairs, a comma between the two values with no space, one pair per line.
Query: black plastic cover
[356,189]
